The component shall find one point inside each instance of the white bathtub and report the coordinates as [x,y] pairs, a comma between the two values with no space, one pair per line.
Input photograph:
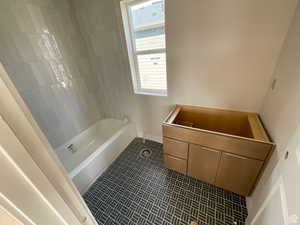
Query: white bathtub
[96,148]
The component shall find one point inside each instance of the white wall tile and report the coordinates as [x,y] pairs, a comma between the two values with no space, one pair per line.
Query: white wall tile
[47,60]
[98,25]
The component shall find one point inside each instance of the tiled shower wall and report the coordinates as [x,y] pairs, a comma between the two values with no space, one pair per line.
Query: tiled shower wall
[99,22]
[45,56]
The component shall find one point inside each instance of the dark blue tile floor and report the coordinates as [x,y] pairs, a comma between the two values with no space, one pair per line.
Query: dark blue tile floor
[135,190]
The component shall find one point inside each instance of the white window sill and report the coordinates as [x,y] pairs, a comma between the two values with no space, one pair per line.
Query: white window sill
[163,94]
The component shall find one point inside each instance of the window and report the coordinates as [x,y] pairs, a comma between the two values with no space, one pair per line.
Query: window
[144,25]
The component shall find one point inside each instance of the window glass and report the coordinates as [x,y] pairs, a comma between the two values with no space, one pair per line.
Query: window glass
[152,68]
[148,13]
[144,25]
[150,39]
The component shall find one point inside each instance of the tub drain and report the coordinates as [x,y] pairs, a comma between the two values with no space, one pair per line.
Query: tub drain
[145,153]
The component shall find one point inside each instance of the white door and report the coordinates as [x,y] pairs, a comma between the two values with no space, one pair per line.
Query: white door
[282,203]
[19,119]
[274,208]
[24,190]
[272,214]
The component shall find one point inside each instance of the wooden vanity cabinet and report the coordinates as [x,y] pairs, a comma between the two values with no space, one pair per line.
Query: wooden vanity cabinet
[229,149]
[176,148]
[203,163]
[175,155]
[237,173]
[175,163]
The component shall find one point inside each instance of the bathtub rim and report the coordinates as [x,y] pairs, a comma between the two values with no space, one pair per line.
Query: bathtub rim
[74,172]
[62,147]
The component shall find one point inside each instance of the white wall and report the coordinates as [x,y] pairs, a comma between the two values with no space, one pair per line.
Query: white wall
[281,107]
[281,114]
[219,54]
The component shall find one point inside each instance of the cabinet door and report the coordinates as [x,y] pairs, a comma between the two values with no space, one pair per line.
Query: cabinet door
[203,163]
[175,163]
[238,174]
[175,148]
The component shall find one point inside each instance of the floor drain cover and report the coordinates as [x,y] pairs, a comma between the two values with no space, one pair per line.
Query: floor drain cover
[145,153]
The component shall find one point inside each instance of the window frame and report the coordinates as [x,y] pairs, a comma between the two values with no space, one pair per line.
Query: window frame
[133,53]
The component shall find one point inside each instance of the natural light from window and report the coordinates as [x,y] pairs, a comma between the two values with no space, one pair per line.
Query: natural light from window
[144,26]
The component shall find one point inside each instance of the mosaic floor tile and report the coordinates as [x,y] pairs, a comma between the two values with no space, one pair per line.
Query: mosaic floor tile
[136,190]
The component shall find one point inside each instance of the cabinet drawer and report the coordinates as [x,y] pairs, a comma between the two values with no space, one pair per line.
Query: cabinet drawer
[175,148]
[176,164]
[238,174]
[230,144]
[203,163]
